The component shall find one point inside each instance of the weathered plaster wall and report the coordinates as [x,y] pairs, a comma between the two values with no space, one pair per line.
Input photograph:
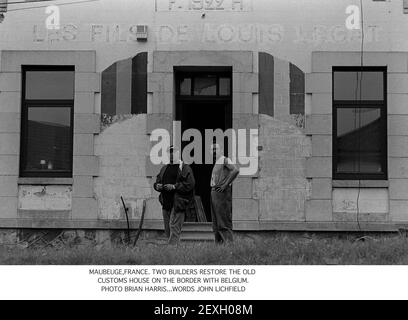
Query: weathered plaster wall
[122,148]
[285,28]
[277,194]
[45,198]
[282,187]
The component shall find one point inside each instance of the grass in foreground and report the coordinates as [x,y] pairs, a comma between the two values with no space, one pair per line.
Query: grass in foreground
[271,250]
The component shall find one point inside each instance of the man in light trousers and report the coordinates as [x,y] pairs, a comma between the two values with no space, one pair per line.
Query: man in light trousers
[223,175]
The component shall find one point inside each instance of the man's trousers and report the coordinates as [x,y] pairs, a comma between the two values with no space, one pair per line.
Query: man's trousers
[173,224]
[221,213]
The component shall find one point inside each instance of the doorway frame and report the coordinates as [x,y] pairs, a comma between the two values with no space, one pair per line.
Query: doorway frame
[223,101]
[161,111]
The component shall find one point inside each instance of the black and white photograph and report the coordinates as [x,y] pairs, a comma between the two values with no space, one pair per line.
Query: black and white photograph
[203,149]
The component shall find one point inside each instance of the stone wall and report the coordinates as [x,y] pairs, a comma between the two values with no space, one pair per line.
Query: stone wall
[53,198]
[343,201]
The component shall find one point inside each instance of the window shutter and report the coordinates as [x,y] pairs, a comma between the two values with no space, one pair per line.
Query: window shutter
[139,84]
[266,84]
[297,90]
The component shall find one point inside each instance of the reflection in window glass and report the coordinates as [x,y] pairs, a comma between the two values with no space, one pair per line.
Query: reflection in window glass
[185,87]
[48,139]
[359,136]
[205,86]
[225,86]
[347,85]
[49,85]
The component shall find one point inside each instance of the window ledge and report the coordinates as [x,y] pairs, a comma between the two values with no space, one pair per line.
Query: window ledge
[45,181]
[361,183]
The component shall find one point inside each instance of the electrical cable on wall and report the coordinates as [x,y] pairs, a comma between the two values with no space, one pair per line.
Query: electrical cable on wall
[360,84]
[44,6]
[25,2]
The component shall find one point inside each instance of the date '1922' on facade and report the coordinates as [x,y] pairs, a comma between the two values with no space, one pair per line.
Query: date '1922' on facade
[207,5]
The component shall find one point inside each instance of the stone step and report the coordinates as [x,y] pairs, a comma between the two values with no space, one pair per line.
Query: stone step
[197,236]
[197,232]
[197,227]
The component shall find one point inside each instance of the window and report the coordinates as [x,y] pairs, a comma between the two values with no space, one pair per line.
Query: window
[359,123]
[225,86]
[204,84]
[47,122]
[185,87]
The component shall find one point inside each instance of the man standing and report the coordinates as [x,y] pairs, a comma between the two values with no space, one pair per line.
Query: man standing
[175,183]
[223,175]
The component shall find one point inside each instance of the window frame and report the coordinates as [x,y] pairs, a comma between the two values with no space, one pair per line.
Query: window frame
[374,104]
[32,103]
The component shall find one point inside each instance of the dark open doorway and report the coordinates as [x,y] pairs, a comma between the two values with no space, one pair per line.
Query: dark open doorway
[204,101]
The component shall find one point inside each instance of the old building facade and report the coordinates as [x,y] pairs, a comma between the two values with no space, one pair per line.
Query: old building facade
[81,95]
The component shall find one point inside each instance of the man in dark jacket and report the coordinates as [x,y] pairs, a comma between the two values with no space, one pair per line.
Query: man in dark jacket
[175,183]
